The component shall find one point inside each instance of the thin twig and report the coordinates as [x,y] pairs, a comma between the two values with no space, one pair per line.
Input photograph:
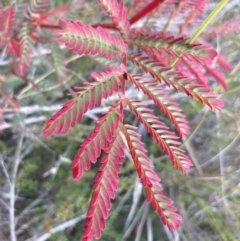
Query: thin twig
[28,208]
[59,228]
[5,170]
[142,222]
[149,229]
[136,198]
[223,151]
[193,157]
[133,224]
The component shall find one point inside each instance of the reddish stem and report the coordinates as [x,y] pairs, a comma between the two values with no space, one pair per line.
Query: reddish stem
[48,26]
[124,76]
[110,26]
[149,8]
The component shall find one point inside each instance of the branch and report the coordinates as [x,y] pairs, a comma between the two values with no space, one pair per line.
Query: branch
[17,160]
[49,26]
[59,228]
[142,222]
[33,204]
[133,224]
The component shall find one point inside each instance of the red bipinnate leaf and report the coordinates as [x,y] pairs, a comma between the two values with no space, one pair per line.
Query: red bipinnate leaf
[179,82]
[164,101]
[87,97]
[199,69]
[9,20]
[228,27]
[38,6]
[97,141]
[26,48]
[118,14]
[165,139]
[197,9]
[154,191]
[223,62]
[104,186]
[173,45]
[192,69]
[199,92]
[2,16]
[13,47]
[86,40]
[217,74]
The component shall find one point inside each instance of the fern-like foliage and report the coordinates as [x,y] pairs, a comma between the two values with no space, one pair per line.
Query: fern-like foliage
[75,9]
[186,12]
[118,14]
[26,48]
[222,61]
[87,97]
[9,19]
[196,10]
[98,140]
[164,74]
[190,67]
[2,16]
[38,6]
[104,186]
[217,74]
[58,60]
[225,28]
[165,139]
[169,63]
[85,40]
[145,169]
[172,45]
[164,101]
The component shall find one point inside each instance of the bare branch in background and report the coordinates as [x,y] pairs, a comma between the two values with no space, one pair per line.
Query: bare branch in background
[16,162]
[61,227]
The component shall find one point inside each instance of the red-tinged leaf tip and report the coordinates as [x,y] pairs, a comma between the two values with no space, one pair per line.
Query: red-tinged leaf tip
[172,45]
[86,40]
[118,13]
[161,134]
[38,7]
[154,191]
[218,75]
[223,62]
[97,141]
[172,79]
[163,100]
[2,17]
[26,48]
[105,184]
[9,20]
[201,93]
[149,8]
[89,96]
[191,68]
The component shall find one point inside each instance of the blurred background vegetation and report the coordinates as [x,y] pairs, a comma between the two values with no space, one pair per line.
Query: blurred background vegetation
[49,205]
